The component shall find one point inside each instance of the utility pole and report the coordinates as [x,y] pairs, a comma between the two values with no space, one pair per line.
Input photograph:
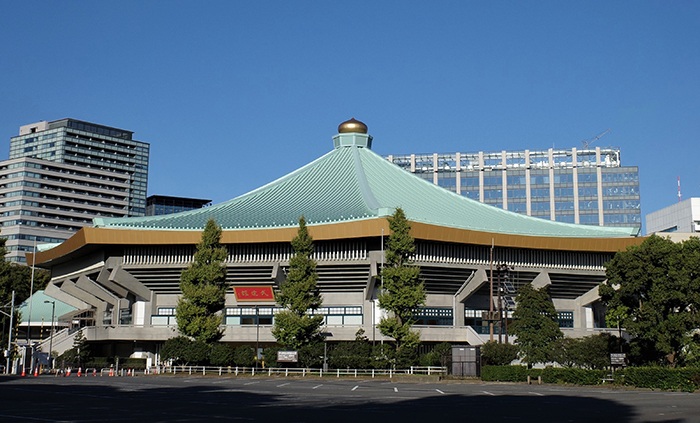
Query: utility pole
[491,297]
[9,334]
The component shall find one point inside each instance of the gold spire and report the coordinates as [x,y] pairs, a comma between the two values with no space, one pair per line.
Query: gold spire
[352,125]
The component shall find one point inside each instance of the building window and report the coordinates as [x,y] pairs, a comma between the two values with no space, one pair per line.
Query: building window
[566,319]
[434,316]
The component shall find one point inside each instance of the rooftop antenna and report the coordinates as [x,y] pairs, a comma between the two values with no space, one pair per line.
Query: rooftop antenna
[586,143]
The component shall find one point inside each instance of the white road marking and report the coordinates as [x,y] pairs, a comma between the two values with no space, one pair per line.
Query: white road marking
[250,383]
[489,393]
[284,384]
[440,391]
[317,386]
[396,389]
[536,393]
[354,388]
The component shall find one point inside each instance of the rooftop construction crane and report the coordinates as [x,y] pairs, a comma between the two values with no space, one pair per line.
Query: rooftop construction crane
[586,143]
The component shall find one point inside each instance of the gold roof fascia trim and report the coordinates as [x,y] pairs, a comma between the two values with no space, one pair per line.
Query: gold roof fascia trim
[345,230]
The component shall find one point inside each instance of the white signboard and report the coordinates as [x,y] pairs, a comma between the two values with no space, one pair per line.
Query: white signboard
[287,356]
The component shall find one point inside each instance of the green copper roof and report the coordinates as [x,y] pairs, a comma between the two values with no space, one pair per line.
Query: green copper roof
[353,183]
[41,311]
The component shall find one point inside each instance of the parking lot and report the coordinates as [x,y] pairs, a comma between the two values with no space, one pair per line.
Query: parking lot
[189,399]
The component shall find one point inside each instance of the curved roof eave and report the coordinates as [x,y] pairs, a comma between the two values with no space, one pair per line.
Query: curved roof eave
[97,237]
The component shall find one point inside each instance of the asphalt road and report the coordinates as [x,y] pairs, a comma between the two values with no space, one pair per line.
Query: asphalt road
[328,400]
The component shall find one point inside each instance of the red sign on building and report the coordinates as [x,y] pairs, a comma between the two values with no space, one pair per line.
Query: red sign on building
[254,293]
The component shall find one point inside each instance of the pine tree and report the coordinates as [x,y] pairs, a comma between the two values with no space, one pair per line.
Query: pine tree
[203,286]
[535,324]
[294,327]
[402,290]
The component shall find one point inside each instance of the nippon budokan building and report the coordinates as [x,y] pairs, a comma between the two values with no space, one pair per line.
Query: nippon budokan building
[122,275]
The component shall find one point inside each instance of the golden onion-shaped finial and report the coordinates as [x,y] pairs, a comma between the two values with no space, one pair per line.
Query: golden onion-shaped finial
[352,125]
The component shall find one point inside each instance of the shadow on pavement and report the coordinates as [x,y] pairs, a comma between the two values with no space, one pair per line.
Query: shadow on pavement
[25,400]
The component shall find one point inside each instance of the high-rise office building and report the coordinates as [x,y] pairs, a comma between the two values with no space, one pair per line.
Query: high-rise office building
[91,146]
[588,186]
[61,175]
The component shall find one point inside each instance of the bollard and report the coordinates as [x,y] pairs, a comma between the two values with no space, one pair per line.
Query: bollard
[539,380]
[529,382]
[286,372]
[269,371]
[337,372]
[372,373]
[236,371]
[219,370]
[252,371]
[204,370]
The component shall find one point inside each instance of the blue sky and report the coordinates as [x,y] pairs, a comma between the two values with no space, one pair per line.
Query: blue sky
[232,95]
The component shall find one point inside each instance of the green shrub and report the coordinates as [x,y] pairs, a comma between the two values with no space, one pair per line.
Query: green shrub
[548,374]
[351,355]
[183,350]
[221,355]
[270,356]
[244,356]
[686,379]
[573,376]
[496,354]
[132,363]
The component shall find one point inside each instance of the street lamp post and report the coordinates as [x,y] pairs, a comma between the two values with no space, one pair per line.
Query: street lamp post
[53,313]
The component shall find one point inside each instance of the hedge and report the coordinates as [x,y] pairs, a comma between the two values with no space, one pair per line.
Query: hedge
[685,379]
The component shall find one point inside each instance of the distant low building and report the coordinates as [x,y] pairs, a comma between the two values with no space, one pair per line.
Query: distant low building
[682,217]
[157,205]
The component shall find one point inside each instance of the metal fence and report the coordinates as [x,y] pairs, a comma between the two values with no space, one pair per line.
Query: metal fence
[288,371]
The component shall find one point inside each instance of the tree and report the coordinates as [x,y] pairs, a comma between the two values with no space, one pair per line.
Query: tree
[80,351]
[402,290]
[535,324]
[203,286]
[653,291]
[294,327]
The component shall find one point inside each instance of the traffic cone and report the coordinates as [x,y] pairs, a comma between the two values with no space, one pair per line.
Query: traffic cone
[111,372]
[24,373]
[68,372]
[36,371]
[128,372]
[94,372]
[80,371]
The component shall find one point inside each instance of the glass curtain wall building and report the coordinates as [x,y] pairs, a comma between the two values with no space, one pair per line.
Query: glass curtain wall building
[89,145]
[588,186]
